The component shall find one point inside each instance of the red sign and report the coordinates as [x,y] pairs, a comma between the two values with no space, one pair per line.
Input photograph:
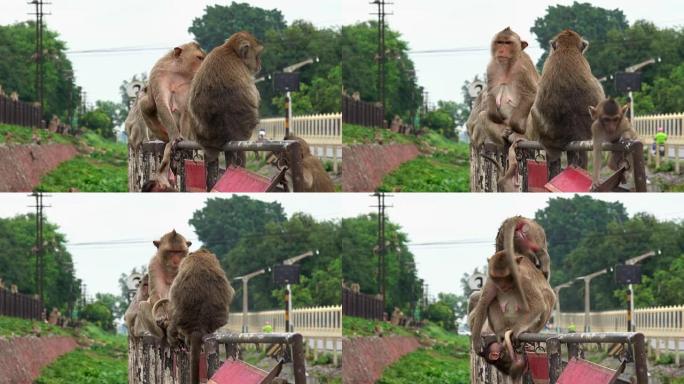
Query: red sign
[236,371]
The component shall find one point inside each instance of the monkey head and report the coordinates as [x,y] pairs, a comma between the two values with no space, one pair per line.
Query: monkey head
[173,248]
[144,287]
[189,57]
[608,114]
[569,39]
[506,46]
[304,146]
[248,49]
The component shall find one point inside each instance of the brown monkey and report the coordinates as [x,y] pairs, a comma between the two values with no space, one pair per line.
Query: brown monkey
[199,301]
[529,239]
[316,179]
[172,248]
[475,123]
[508,180]
[566,88]
[165,102]
[223,99]
[134,324]
[135,126]
[502,302]
[164,180]
[609,125]
[511,86]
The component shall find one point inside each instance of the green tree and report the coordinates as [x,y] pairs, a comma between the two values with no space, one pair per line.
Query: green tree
[18,261]
[223,222]
[115,111]
[459,304]
[117,305]
[359,69]
[98,313]
[219,22]
[442,314]
[18,69]
[441,121]
[324,95]
[98,121]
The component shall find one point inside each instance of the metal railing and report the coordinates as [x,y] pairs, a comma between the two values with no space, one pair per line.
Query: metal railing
[20,305]
[362,113]
[634,352]
[152,362]
[672,124]
[19,113]
[361,305]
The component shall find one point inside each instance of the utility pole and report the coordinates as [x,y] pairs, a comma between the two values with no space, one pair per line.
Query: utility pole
[39,246]
[245,279]
[381,246]
[381,56]
[587,281]
[39,54]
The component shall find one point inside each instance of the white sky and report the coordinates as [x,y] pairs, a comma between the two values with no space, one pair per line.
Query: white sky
[425,218]
[88,24]
[447,24]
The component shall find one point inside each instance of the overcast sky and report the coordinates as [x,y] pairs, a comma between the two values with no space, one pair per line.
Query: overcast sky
[425,24]
[448,24]
[467,221]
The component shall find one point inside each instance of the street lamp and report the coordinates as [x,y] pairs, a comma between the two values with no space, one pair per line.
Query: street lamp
[245,279]
[630,315]
[557,290]
[288,292]
[587,281]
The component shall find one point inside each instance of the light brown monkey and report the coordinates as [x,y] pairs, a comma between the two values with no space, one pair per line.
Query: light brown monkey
[135,126]
[475,123]
[165,102]
[14,96]
[223,99]
[503,305]
[566,88]
[199,302]
[316,179]
[134,324]
[508,180]
[164,180]
[172,248]
[529,239]
[609,126]
[511,86]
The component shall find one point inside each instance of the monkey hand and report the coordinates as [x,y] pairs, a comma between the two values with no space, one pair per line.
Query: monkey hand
[160,312]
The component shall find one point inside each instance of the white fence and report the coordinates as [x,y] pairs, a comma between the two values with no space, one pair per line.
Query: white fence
[660,325]
[320,326]
[323,133]
[673,124]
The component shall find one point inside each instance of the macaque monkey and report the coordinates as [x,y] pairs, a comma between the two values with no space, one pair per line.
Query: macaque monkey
[529,239]
[609,126]
[516,298]
[223,100]
[164,180]
[134,324]
[14,96]
[566,88]
[508,181]
[135,126]
[199,301]
[511,87]
[172,248]
[316,179]
[165,102]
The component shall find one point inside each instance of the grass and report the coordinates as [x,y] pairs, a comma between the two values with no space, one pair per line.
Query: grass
[15,327]
[102,166]
[356,134]
[23,135]
[447,361]
[356,326]
[104,361]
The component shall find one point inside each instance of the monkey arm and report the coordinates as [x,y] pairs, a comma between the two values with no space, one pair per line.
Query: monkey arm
[493,112]
[477,318]
[148,110]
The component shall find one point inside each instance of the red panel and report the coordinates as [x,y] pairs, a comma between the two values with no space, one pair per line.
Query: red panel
[539,367]
[582,371]
[536,176]
[236,371]
[241,180]
[572,179]
[195,178]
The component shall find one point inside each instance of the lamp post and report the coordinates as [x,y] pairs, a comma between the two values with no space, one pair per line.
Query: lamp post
[288,291]
[587,281]
[245,279]
[557,290]
[631,323]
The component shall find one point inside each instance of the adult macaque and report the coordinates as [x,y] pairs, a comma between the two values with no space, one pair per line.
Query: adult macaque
[475,123]
[529,239]
[511,86]
[135,126]
[513,281]
[172,248]
[199,301]
[165,102]
[566,88]
[316,179]
[609,126]
[133,322]
[223,99]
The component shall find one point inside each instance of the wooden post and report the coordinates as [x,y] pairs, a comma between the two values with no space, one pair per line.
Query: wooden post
[677,148]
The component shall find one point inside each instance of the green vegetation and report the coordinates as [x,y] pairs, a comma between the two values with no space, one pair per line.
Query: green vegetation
[103,361]
[447,361]
[14,134]
[14,327]
[356,326]
[356,134]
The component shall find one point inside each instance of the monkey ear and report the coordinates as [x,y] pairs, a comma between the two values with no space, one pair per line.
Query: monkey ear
[156,243]
[244,49]
[523,45]
[593,112]
[188,243]
[585,45]
[308,178]
[552,43]
[177,51]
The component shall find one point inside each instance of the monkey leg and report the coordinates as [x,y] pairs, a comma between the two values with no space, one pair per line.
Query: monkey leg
[148,323]
[211,164]
[578,158]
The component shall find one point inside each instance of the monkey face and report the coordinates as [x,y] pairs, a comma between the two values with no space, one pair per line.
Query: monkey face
[175,257]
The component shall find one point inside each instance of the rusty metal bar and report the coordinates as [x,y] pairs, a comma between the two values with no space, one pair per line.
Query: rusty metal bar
[582,338]
[640,358]
[211,347]
[553,350]
[299,364]
[639,166]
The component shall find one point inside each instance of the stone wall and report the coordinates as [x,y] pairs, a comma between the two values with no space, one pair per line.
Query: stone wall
[22,166]
[364,358]
[364,166]
[22,358]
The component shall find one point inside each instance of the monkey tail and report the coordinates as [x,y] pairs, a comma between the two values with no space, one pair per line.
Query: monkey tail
[195,347]
[499,168]
[509,247]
